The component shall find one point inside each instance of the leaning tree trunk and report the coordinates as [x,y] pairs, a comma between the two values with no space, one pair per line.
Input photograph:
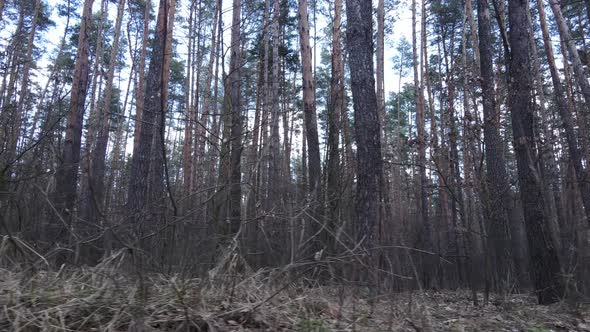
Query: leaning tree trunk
[95,209]
[580,76]
[565,112]
[545,265]
[25,91]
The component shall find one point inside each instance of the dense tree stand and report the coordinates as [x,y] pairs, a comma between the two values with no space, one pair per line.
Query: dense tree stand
[356,148]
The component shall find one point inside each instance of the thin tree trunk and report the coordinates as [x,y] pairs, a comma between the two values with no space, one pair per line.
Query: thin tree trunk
[380,73]
[547,161]
[309,106]
[422,200]
[274,165]
[24,93]
[565,112]
[95,209]
[187,147]
[565,34]
[335,110]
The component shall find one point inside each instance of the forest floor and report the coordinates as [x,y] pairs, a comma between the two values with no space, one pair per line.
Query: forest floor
[103,298]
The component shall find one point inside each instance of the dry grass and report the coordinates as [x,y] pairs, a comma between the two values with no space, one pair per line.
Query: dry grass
[104,298]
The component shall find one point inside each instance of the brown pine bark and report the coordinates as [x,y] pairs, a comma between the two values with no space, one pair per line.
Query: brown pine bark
[95,209]
[153,106]
[497,209]
[545,265]
[333,170]
[67,173]
[159,179]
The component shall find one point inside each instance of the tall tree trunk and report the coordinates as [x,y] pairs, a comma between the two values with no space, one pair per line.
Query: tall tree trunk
[565,112]
[545,265]
[24,92]
[206,109]
[422,199]
[158,174]
[497,209]
[380,74]
[7,91]
[233,79]
[67,173]
[274,164]
[140,86]
[547,161]
[309,106]
[333,170]
[565,34]
[95,89]
[187,147]
[366,118]
[95,209]
[153,107]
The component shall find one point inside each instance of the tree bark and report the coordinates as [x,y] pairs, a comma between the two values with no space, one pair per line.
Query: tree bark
[152,108]
[565,111]
[67,173]
[274,164]
[95,209]
[545,265]
[190,116]
[422,199]
[140,86]
[309,105]
[565,34]
[366,118]
[380,74]
[234,76]
[497,209]
[333,170]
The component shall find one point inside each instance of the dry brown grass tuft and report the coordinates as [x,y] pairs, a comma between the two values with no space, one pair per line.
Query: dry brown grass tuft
[104,298]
